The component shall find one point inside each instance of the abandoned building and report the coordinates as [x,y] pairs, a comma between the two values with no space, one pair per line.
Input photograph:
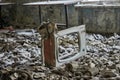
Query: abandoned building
[59,39]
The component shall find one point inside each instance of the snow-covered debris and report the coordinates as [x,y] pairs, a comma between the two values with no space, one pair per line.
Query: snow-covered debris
[22,45]
[102,61]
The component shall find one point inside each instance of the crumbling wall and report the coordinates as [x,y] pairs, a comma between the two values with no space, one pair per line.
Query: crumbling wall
[28,16]
[100,19]
[21,16]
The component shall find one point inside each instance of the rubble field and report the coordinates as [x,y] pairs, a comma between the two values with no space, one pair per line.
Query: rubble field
[20,58]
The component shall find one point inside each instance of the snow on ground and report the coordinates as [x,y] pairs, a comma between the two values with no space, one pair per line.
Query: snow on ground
[19,47]
[21,50]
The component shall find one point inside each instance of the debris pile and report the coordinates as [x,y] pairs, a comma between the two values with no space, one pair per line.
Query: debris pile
[20,58]
[103,57]
[19,47]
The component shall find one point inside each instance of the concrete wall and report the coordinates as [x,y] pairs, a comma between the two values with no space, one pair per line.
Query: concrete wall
[100,19]
[28,16]
[96,19]
[57,14]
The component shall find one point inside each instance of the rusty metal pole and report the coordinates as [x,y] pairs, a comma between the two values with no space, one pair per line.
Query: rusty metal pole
[0,16]
[40,14]
[0,11]
[47,31]
[66,15]
[48,51]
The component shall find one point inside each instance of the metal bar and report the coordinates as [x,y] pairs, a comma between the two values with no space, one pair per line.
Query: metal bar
[0,11]
[0,16]
[40,14]
[49,51]
[66,15]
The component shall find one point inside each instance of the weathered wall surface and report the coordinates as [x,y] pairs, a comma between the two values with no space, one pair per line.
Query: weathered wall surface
[28,16]
[100,19]
[96,19]
[20,16]
[56,14]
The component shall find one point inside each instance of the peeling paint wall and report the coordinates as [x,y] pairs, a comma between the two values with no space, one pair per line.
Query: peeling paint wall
[100,20]
[57,14]
[28,16]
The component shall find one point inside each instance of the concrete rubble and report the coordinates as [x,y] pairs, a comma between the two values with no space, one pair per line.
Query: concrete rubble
[19,47]
[20,58]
